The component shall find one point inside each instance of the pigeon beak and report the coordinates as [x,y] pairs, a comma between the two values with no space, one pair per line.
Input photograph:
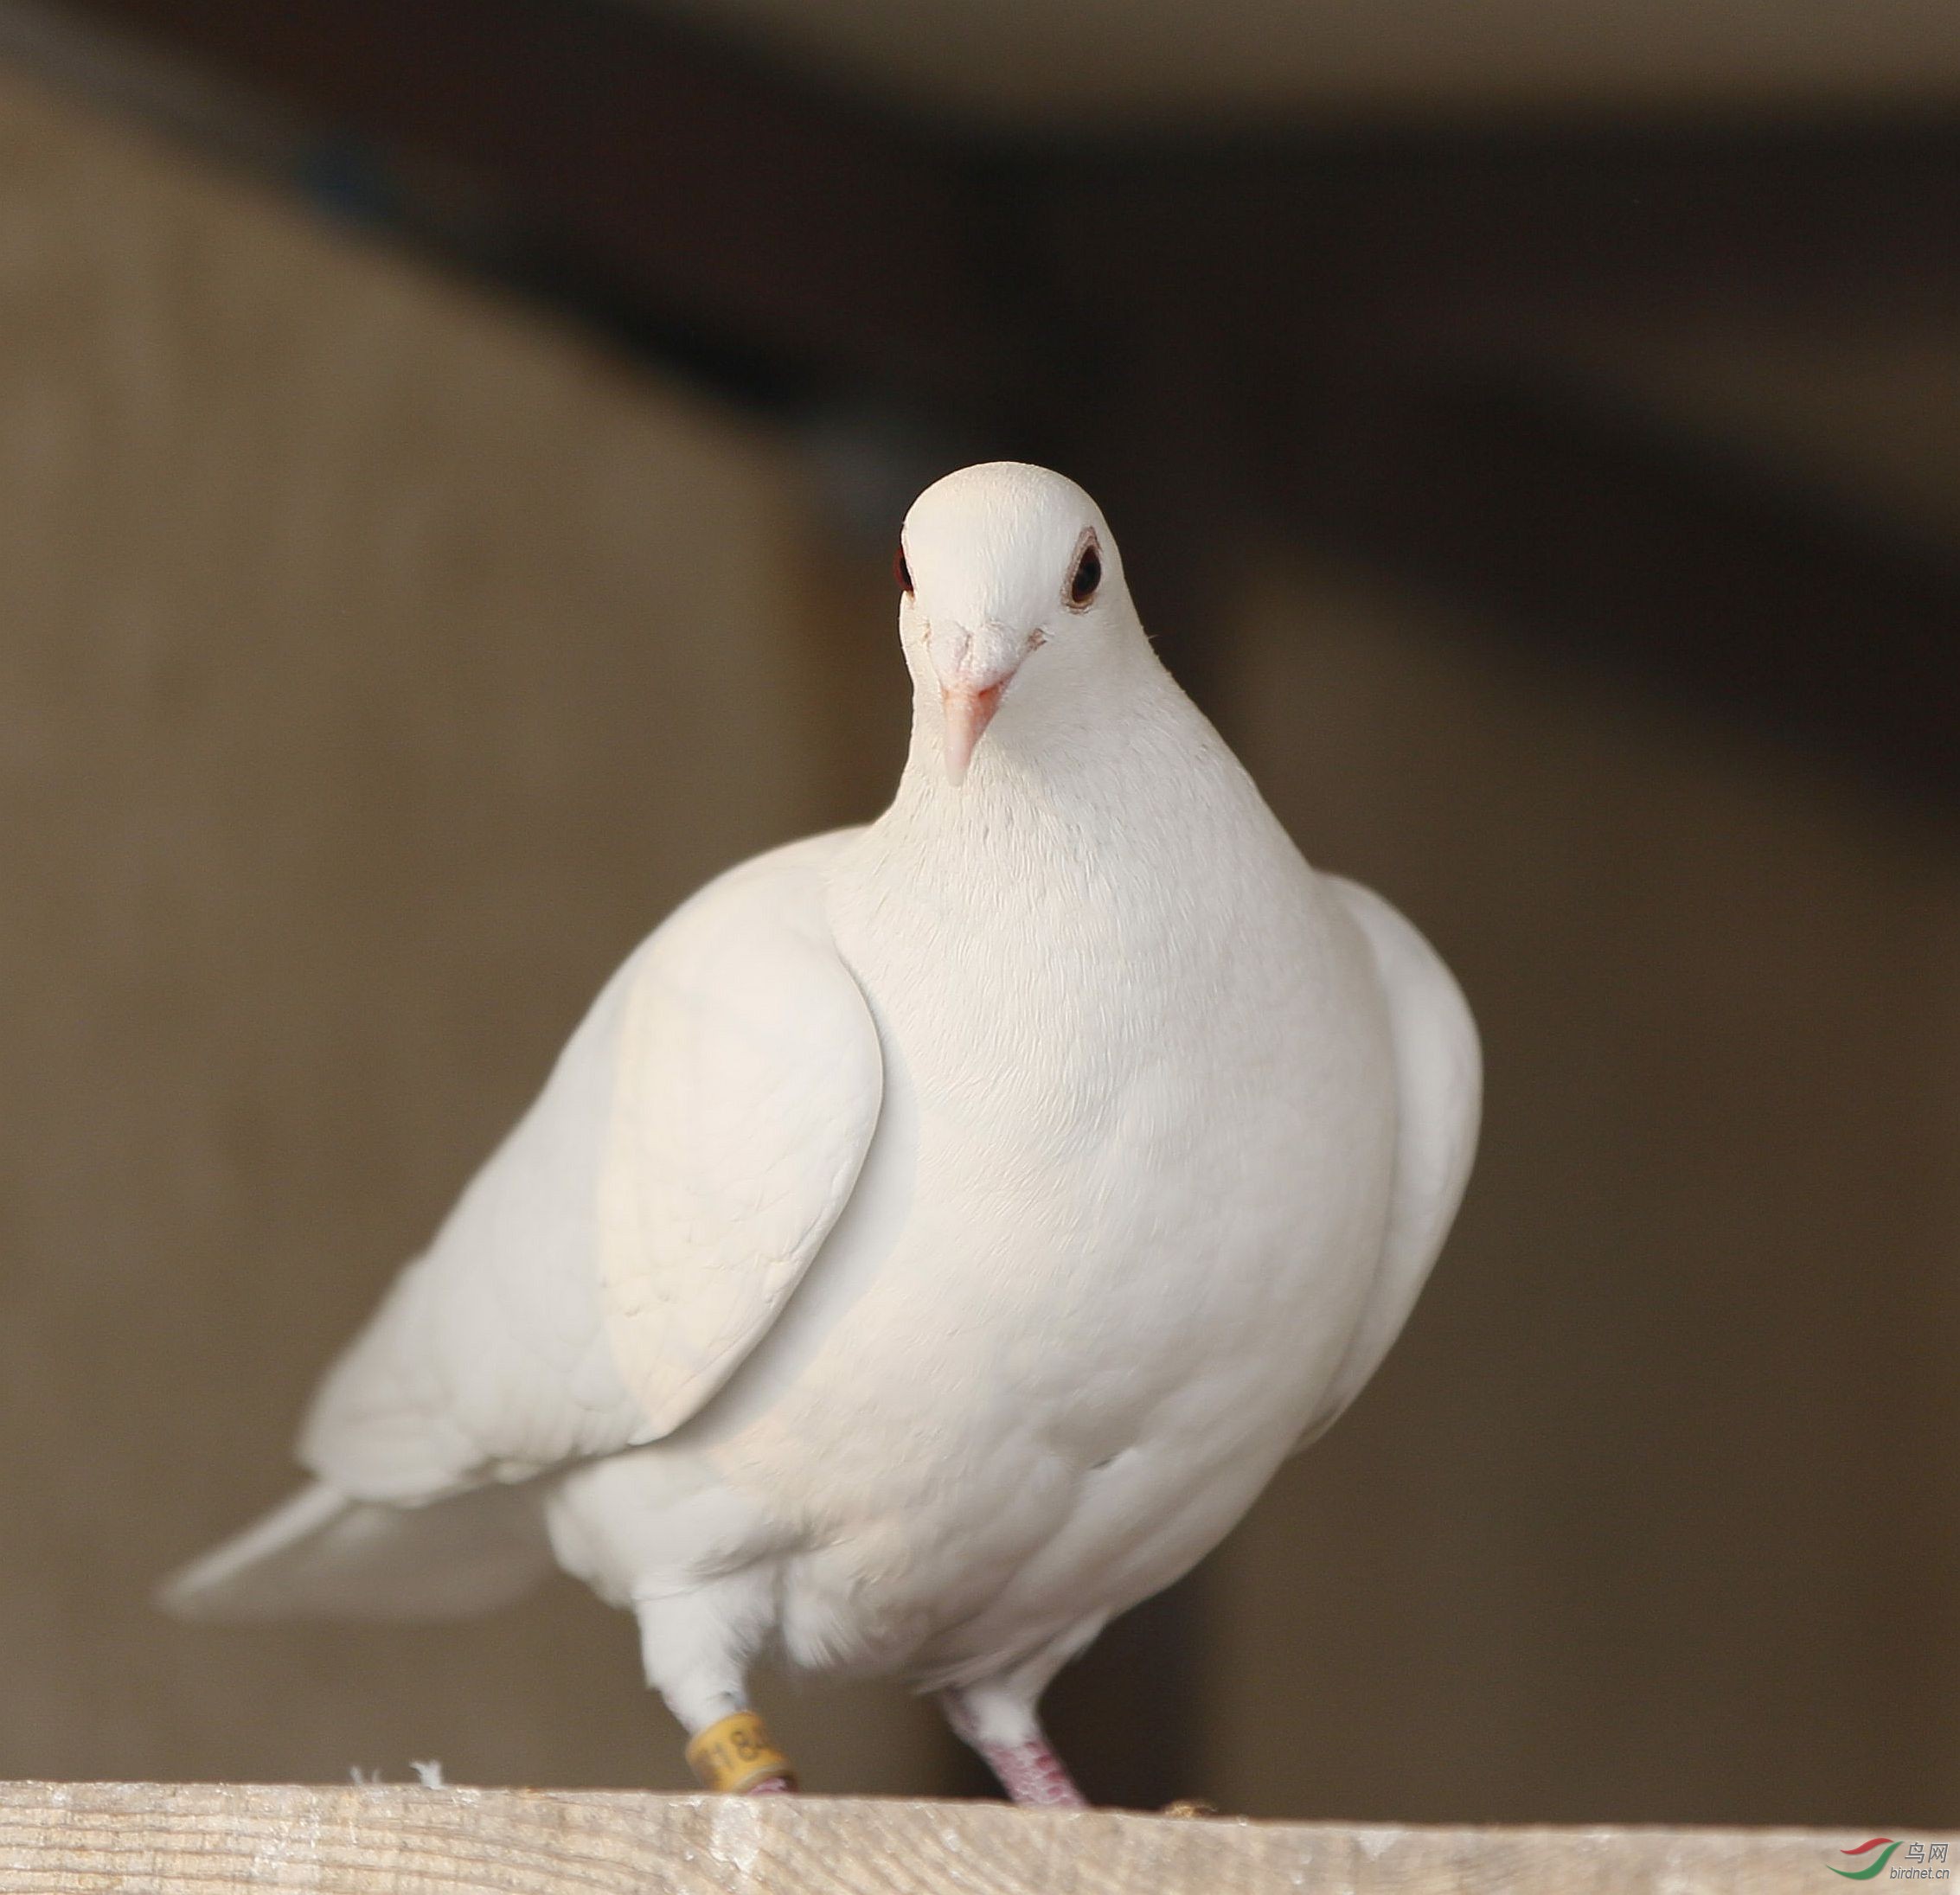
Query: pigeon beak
[974,668]
[968,710]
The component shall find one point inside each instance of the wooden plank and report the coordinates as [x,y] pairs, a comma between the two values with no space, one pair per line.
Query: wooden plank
[1604,539]
[707,185]
[1425,235]
[191,1839]
[642,160]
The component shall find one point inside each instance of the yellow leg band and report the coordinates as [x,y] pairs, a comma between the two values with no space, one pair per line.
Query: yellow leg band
[736,1754]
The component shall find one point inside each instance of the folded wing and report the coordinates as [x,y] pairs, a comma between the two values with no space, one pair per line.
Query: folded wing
[750,1082]
[1439,1088]
[607,1270]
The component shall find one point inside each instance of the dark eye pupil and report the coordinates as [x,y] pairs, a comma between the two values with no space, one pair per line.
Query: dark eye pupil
[1088,577]
[902,571]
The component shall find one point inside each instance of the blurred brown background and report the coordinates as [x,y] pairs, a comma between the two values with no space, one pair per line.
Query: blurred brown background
[448,465]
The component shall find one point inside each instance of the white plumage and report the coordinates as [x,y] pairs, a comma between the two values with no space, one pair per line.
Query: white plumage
[937,1232]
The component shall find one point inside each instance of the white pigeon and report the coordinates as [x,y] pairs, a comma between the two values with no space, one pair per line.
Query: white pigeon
[939,1231]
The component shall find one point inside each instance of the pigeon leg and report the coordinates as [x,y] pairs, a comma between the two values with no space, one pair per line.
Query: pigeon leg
[733,1754]
[1000,1723]
[695,1646]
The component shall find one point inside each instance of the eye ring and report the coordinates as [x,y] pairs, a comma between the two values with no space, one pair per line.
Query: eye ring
[900,570]
[1085,576]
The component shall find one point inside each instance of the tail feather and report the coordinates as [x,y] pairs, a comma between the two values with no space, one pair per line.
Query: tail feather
[321,1555]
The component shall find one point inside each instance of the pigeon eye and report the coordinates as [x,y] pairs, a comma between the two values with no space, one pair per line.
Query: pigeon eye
[1086,577]
[902,571]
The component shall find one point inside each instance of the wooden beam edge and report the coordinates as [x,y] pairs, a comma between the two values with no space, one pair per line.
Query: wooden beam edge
[190,1839]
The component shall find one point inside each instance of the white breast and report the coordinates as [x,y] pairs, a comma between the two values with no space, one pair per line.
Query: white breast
[1125,1200]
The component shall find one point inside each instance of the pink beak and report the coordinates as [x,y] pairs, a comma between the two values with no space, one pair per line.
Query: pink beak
[975,667]
[968,711]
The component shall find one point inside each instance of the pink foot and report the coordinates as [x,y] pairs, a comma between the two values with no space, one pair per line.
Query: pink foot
[1031,1773]
[1026,1767]
[772,1786]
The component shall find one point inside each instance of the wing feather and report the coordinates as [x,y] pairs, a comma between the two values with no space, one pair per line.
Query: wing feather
[1439,1085]
[750,1082]
[607,1268]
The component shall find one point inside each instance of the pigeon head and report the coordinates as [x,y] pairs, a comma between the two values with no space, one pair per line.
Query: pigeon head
[1013,597]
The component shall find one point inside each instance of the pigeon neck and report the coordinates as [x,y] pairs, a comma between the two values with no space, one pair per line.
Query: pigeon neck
[1072,736]
[1125,771]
